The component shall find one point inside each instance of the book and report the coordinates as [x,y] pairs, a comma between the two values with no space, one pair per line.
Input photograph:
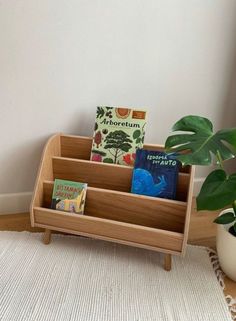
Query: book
[69,196]
[118,132]
[155,174]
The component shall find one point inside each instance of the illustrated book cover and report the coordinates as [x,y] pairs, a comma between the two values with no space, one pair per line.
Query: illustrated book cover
[118,132]
[69,196]
[155,174]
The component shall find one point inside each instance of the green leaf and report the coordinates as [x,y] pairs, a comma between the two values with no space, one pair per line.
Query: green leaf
[218,191]
[108,160]
[138,140]
[199,143]
[225,218]
[136,133]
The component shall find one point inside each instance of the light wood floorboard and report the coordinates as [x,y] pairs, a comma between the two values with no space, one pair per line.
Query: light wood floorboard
[202,231]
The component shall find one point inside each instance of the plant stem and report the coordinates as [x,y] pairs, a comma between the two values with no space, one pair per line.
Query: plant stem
[220,160]
[234,207]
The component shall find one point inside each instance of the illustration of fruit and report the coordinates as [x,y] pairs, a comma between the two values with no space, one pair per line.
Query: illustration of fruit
[96,158]
[129,159]
[97,155]
[109,114]
[98,138]
[122,112]
[104,131]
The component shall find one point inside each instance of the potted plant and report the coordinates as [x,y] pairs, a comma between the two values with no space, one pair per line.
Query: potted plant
[197,144]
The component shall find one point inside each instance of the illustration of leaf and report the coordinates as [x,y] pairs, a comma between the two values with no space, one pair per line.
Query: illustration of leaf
[108,160]
[136,133]
[100,112]
[99,152]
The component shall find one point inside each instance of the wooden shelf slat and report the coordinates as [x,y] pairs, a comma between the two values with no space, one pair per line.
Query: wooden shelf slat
[130,208]
[132,233]
[107,176]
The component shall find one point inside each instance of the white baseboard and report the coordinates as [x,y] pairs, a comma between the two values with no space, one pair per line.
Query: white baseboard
[13,203]
[20,202]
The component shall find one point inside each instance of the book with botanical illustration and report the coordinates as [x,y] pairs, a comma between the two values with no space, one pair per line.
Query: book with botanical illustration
[69,196]
[155,174]
[118,133]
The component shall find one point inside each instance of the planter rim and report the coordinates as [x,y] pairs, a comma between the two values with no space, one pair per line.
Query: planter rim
[222,226]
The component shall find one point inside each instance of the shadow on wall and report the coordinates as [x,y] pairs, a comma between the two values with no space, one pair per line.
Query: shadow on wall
[81,123]
[229,112]
[27,155]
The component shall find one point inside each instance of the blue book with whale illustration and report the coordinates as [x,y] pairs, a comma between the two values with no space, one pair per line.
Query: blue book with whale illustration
[155,174]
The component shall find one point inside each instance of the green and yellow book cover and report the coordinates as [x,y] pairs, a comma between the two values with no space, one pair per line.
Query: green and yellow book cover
[118,133]
[69,196]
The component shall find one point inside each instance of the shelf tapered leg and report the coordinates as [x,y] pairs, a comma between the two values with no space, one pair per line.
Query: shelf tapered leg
[167,262]
[47,236]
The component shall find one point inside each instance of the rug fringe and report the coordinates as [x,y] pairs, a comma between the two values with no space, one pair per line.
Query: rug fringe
[231,302]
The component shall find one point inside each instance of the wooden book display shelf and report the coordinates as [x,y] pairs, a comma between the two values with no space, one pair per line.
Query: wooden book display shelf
[112,213]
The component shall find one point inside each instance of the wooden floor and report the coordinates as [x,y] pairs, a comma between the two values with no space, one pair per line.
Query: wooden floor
[202,232]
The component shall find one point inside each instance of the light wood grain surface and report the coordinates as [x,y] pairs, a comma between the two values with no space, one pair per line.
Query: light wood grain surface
[136,235]
[111,211]
[130,208]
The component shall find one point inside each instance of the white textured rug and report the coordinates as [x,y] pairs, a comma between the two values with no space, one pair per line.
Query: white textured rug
[81,279]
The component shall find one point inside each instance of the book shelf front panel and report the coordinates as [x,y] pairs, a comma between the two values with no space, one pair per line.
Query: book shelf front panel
[134,209]
[106,176]
[108,229]
[130,208]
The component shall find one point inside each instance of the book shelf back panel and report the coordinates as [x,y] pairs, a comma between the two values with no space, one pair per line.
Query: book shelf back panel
[80,147]
[130,208]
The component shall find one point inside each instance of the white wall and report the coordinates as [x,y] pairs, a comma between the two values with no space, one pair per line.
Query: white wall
[59,59]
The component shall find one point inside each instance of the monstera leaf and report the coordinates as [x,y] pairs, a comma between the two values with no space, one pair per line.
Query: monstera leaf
[218,191]
[199,142]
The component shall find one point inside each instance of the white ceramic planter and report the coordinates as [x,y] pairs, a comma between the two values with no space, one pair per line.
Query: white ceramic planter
[226,248]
